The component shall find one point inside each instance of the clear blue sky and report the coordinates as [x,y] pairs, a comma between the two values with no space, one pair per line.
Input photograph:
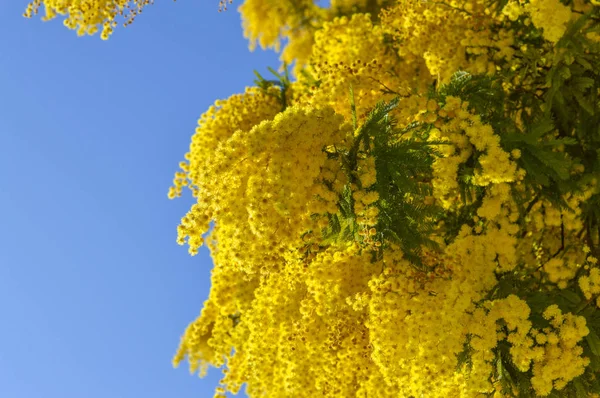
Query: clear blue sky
[94,290]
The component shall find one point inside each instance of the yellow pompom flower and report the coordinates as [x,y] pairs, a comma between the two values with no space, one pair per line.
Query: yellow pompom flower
[549,15]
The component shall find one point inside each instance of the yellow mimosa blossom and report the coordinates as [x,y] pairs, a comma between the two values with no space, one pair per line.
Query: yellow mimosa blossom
[414,214]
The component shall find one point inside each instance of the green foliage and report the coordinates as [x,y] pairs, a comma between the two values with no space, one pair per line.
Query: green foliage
[405,217]
[463,359]
[547,168]
[403,166]
[483,92]
[282,81]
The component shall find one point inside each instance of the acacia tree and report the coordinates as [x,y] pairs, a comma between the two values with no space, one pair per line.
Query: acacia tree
[412,211]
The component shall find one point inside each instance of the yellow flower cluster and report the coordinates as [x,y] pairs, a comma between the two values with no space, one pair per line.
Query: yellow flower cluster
[559,271]
[308,316]
[270,187]
[339,326]
[356,6]
[560,343]
[551,16]
[217,124]
[89,16]
[364,198]
[448,36]
[545,215]
[351,51]
[412,343]
[550,241]
[513,10]
[265,22]
[545,351]
[332,322]
[486,331]
[270,22]
[468,137]
[312,293]
[590,284]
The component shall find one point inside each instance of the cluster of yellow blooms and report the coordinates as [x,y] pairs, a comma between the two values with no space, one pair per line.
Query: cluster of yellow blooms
[551,16]
[89,16]
[293,312]
[350,51]
[277,19]
[467,134]
[270,185]
[560,347]
[217,124]
[590,284]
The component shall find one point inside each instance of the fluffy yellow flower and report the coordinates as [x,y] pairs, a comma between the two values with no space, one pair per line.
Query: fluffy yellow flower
[551,16]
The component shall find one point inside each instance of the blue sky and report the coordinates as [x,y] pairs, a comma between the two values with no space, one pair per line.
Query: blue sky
[94,291]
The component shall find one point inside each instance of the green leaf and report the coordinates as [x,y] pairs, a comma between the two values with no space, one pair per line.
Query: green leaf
[533,134]
[503,375]
[594,362]
[594,342]
[580,83]
[588,311]
[562,141]
[541,128]
[275,73]
[565,72]
[571,296]
[553,160]
[585,104]
[584,62]
[579,388]
[534,169]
